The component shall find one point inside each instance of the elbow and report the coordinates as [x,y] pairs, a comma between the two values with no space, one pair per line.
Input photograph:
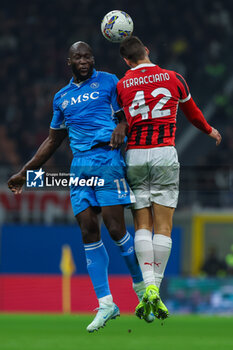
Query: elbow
[54,143]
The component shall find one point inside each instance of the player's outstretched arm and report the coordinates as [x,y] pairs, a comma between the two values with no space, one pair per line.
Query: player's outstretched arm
[195,116]
[44,152]
[120,131]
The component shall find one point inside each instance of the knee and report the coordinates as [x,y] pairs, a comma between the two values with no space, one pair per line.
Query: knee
[115,230]
[90,232]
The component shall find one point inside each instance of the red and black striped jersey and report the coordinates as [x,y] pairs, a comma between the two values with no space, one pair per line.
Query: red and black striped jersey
[150,96]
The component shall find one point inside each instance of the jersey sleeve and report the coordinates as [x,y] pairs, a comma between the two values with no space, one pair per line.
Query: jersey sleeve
[183,89]
[58,121]
[195,116]
[114,100]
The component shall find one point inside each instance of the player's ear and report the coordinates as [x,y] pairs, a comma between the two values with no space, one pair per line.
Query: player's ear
[147,50]
[127,62]
[68,61]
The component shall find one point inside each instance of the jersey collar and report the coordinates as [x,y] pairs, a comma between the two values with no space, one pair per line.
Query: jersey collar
[94,74]
[142,65]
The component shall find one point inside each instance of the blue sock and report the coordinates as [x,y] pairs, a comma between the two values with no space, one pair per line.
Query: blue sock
[126,245]
[97,266]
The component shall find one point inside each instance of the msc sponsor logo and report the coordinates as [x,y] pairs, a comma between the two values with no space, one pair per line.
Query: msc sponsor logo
[85,97]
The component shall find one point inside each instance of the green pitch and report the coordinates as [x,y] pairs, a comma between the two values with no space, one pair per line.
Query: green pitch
[68,332]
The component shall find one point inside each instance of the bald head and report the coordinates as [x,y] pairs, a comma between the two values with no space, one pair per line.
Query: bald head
[81,60]
[79,45]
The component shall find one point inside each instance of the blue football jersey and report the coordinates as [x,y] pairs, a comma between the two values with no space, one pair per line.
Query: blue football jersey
[86,110]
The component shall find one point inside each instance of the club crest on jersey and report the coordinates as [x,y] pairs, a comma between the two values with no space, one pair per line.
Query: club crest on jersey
[94,85]
[65,104]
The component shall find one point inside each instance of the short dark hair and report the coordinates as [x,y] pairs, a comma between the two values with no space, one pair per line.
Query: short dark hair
[133,49]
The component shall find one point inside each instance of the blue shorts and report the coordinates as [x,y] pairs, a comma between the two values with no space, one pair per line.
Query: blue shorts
[101,179]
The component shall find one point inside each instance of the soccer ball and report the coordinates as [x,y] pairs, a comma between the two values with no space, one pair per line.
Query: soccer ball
[116,26]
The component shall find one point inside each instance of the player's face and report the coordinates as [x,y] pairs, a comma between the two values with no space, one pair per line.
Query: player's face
[82,62]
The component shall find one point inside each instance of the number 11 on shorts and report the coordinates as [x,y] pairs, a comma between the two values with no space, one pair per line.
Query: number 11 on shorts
[118,185]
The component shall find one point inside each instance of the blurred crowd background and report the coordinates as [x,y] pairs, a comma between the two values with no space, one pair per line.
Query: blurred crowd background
[193,39]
